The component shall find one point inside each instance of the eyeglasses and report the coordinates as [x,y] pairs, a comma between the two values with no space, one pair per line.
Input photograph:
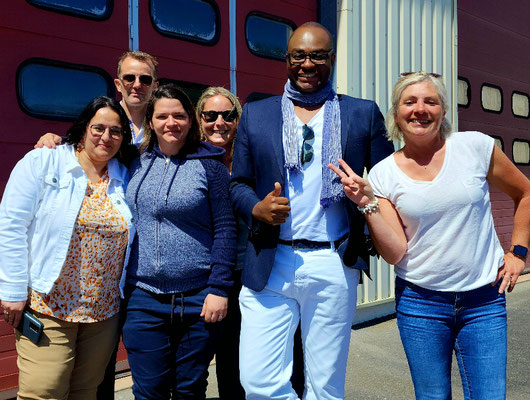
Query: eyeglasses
[98,130]
[145,80]
[307,148]
[316,57]
[433,74]
[228,115]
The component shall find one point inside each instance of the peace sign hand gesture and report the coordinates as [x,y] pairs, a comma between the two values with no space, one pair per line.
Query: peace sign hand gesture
[356,188]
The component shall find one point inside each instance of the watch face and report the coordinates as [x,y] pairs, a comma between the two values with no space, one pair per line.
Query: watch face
[520,251]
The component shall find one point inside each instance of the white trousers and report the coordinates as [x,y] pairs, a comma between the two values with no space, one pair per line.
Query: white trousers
[310,286]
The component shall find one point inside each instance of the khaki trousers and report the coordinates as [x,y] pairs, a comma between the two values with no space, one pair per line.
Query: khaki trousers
[68,362]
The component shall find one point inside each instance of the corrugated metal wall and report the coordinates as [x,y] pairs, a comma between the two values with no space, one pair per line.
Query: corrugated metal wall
[376,41]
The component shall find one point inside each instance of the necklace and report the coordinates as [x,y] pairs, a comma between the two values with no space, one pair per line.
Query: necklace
[423,165]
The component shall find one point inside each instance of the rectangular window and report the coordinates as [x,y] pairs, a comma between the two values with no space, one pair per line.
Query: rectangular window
[464,92]
[491,98]
[520,105]
[521,152]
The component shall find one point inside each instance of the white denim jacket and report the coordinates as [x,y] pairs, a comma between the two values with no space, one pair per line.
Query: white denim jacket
[38,211]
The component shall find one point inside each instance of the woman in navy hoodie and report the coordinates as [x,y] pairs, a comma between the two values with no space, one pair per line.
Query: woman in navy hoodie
[180,271]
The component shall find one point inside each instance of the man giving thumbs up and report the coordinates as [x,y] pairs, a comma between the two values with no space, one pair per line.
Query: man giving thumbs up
[306,244]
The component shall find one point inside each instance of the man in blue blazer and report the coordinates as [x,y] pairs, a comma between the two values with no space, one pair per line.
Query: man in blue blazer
[306,244]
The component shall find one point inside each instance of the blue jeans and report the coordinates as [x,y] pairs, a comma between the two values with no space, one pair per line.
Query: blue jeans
[168,344]
[432,324]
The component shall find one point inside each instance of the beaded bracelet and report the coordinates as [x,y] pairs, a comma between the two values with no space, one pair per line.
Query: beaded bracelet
[370,207]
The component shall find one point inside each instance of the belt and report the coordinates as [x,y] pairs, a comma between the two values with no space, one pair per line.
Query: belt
[311,244]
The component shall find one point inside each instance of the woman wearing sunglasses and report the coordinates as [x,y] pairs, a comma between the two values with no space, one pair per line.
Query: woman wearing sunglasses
[64,232]
[219,111]
[429,212]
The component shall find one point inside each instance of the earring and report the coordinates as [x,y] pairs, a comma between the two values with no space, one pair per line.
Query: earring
[80,146]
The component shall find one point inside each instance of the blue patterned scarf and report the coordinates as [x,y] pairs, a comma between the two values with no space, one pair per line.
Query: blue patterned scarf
[332,190]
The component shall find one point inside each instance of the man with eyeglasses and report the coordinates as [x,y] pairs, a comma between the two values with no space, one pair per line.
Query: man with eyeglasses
[137,78]
[306,244]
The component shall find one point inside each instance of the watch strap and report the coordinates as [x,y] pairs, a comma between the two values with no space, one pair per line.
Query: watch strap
[519,251]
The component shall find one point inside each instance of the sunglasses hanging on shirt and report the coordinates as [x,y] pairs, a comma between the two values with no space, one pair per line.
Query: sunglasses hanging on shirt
[307,149]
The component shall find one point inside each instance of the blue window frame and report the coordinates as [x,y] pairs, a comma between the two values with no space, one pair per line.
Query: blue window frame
[57,90]
[193,20]
[267,35]
[91,9]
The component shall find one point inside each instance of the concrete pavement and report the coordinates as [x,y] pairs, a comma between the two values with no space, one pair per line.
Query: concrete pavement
[377,367]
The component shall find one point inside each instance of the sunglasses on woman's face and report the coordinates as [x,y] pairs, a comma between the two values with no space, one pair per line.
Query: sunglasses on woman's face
[145,80]
[228,115]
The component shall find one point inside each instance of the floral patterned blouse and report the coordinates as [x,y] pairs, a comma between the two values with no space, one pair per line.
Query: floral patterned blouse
[87,289]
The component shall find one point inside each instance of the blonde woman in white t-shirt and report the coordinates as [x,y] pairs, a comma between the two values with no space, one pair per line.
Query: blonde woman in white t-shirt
[429,213]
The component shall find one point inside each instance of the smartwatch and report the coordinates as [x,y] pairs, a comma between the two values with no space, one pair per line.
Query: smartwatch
[519,251]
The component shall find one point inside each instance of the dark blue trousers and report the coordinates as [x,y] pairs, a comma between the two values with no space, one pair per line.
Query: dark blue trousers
[168,344]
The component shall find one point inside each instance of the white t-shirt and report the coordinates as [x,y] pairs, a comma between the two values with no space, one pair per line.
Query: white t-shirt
[452,243]
[307,219]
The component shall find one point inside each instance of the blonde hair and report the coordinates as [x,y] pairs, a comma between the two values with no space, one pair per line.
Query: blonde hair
[393,130]
[215,91]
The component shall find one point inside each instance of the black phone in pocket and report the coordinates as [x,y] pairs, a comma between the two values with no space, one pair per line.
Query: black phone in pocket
[30,326]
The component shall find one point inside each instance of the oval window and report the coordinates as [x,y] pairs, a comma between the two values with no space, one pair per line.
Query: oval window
[193,20]
[267,36]
[55,90]
[93,9]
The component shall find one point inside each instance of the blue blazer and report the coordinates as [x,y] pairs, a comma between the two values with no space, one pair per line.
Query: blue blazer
[258,163]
